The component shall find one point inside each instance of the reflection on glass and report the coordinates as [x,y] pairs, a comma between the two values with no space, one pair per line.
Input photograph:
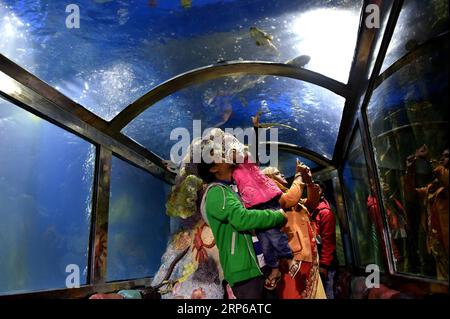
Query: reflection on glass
[408,115]
[46,179]
[310,114]
[330,196]
[365,221]
[138,227]
[124,48]
[418,21]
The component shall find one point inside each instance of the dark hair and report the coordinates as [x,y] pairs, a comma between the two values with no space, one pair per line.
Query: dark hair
[204,173]
[321,185]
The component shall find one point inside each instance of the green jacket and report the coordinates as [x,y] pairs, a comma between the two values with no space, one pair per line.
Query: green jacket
[231,224]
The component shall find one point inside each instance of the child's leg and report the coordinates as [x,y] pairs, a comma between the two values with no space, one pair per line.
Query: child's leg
[279,242]
[268,250]
[282,250]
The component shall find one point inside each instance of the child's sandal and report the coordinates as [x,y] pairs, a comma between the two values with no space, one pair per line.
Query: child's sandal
[271,283]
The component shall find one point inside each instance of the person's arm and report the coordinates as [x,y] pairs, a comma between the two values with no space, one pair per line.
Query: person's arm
[313,190]
[327,230]
[292,196]
[225,206]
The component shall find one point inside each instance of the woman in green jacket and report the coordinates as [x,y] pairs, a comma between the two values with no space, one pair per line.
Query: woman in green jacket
[231,224]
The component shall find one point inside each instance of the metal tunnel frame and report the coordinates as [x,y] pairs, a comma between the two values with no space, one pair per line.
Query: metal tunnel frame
[219,70]
[45,101]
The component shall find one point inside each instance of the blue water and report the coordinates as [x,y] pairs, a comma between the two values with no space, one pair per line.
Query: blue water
[418,21]
[46,179]
[125,48]
[138,229]
[415,95]
[314,112]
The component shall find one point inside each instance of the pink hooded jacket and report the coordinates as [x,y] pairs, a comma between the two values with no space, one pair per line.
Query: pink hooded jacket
[255,187]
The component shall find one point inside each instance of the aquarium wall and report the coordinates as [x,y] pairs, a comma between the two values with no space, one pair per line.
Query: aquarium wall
[403,122]
[46,183]
[138,228]
[408,118]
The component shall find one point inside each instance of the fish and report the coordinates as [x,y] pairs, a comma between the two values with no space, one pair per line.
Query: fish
[269,125]
[299,61]
[262,38]
[186,3]
[152,3]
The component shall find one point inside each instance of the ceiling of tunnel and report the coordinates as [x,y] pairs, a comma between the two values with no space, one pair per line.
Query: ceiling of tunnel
[310,115]
[123,49]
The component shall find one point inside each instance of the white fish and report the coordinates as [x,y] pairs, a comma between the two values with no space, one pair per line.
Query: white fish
[262,38]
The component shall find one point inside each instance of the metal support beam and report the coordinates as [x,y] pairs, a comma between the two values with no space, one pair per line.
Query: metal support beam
[359,73]
[40,105]
[63,102]
[82,292]
[219,70]
[99,225]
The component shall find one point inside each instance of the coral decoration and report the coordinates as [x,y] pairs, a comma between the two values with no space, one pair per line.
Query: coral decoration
[183,198]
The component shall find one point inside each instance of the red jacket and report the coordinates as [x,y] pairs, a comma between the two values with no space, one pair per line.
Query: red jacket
[326,227]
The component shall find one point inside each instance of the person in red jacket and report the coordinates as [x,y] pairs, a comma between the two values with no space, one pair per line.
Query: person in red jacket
[325,223]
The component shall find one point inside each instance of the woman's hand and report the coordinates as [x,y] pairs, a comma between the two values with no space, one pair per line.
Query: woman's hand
[304,172]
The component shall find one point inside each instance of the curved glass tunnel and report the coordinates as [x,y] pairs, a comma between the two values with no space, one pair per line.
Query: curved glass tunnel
[92,94]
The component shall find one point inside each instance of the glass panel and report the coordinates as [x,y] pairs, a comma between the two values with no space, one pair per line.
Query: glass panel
[122,49]
[418,21]
[138,228]
[46,179]
[408,110]
[364,217]
[310,114]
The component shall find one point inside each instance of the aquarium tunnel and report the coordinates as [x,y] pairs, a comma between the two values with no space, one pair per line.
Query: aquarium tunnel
[92,91]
